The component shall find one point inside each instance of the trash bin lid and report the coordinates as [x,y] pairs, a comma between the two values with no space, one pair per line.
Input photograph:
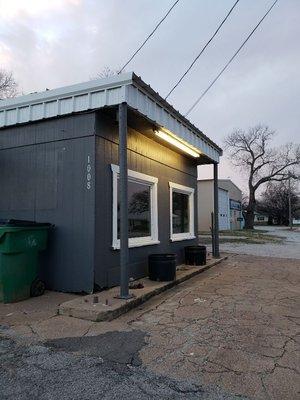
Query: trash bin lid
[19,223]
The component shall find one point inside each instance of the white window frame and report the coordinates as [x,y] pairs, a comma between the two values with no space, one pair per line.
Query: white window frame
[138,177]
[174,187]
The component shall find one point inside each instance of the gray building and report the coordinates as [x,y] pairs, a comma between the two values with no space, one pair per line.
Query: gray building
[230,204]
[59,162]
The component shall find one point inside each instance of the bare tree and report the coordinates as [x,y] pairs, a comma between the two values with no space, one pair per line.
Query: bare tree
[106,72]
[252,152]
[8,85]
[275,202]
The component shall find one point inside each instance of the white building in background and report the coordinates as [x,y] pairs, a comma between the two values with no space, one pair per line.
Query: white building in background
[260,218]
[230,205]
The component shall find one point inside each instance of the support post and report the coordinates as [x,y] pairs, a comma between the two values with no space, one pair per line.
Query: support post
[212,228]
[123,190]
[216,253]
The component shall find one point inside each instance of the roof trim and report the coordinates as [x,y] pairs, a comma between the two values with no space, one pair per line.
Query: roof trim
[169,107]
[220,180]
[67,91]
[107,92]
[229,180]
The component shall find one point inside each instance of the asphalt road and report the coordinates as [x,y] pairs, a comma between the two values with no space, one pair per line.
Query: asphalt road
[231,332]
[101,367]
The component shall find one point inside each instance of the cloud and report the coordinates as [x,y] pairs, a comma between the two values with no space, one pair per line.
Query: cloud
[60,42]
[13,9]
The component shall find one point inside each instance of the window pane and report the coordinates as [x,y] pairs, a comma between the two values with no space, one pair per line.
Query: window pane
[139,206]
[180,215]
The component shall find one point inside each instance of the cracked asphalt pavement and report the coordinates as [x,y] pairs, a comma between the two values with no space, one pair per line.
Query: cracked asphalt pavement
[39,372]
[232,332]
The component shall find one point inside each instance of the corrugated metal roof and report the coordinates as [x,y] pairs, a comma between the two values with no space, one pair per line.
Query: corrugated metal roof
[99,93]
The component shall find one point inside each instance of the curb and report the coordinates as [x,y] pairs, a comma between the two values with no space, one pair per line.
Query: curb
[92,314]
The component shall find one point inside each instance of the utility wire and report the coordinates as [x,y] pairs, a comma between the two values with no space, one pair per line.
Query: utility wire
[148,37]
[202,51]
[231,59]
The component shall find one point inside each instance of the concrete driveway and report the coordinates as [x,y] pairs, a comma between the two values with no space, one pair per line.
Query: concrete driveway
[232,332]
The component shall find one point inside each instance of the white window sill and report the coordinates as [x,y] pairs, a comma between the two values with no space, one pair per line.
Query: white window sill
[179,238]
[137,244]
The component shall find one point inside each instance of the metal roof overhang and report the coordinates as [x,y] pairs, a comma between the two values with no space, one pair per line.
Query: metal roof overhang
[107,92]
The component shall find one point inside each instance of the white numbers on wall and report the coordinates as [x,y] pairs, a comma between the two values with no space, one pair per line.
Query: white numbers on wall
[88,173]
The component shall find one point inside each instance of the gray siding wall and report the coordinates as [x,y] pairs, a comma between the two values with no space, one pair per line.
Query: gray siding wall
[44,178]
[149,157]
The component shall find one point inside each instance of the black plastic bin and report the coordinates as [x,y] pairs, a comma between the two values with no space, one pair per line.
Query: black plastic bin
[195,255]
[162,267]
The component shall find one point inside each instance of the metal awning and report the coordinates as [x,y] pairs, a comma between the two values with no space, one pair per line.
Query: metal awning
[107,92]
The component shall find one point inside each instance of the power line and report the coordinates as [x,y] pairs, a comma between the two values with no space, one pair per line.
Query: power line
[202,51]
[231,59]
[148,37]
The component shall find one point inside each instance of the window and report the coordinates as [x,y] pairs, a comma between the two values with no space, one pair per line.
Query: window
[181,212]
[142,209]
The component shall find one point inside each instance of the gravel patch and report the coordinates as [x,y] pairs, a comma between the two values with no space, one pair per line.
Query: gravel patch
[289,247]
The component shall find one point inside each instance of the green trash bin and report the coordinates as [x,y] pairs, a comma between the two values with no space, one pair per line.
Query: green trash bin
[20,244]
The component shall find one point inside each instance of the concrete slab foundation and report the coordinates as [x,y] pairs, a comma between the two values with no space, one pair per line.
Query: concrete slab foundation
[105,306]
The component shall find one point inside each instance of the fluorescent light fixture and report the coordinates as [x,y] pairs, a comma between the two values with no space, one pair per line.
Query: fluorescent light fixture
[177,143]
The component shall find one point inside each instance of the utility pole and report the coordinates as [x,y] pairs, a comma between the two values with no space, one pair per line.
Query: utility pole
[290,204]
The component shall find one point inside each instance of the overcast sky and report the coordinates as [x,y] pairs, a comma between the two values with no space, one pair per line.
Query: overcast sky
[52,43]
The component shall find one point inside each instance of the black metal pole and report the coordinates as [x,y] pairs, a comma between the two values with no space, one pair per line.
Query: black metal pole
[212,234]
[216,212]
[123,185]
